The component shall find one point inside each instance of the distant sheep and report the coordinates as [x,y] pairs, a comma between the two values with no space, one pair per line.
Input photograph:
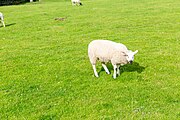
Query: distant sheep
[2,19]
[108,51]
[76,2]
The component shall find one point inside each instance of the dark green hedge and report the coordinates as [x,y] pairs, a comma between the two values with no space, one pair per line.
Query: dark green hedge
[13,2]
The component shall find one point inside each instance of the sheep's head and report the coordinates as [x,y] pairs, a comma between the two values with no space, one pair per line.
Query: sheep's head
[130,56]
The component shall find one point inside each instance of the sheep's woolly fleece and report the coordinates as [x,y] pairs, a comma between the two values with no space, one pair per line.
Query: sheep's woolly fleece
[109,51]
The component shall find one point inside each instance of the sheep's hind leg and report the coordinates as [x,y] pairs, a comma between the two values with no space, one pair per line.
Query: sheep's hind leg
[95,72]
[115,69]
[118,70]
[105,68]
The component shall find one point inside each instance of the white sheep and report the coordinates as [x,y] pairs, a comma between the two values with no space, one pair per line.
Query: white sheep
[2,19]
[108,51]
[76,2]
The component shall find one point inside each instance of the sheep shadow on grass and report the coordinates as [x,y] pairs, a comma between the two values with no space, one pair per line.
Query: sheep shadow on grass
[10,24]
[135,67]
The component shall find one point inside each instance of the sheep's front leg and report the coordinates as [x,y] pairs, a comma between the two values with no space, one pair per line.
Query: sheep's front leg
[118,69]
[105,68]
[3,23]
[95,72]
[115,68]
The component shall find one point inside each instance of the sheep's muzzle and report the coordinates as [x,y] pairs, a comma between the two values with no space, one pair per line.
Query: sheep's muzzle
[131,62]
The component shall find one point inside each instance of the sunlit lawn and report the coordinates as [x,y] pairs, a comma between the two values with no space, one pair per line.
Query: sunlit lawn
[45,72]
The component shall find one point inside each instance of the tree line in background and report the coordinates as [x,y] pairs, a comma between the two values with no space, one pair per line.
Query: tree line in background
[14,2]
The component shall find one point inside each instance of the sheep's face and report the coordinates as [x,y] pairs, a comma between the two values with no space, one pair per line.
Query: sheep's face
[130,56]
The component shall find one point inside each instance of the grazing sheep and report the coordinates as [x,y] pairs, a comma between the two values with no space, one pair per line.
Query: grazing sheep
[108,51]
[76,2]
[2,19]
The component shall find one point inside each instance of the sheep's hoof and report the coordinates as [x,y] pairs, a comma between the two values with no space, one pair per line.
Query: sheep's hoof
[96,75]
[114,77]
[108,73]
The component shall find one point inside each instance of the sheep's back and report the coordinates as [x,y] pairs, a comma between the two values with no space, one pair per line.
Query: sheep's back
[104,49]
[101,47]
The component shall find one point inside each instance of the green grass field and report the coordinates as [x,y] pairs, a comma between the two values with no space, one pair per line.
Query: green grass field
[45,72]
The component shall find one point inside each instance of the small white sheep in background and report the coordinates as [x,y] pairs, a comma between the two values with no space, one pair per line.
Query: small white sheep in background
[2,19]
[76,2]
[108,51]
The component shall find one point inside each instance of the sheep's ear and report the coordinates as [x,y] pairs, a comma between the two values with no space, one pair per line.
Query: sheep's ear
[135,52]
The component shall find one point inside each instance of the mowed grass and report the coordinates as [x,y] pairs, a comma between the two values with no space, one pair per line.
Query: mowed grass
[46,74]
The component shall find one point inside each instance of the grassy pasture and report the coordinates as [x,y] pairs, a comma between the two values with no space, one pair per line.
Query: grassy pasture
[45,71]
